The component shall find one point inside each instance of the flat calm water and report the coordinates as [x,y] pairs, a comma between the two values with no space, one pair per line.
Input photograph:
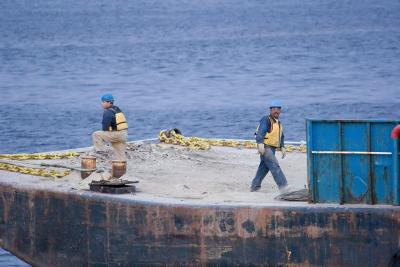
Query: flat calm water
[207,67]
[8,260]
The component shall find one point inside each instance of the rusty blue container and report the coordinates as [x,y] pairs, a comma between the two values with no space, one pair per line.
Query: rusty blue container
[352,161]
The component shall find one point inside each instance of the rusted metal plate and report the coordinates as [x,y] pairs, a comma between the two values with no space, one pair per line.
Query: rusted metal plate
[115,186]
[112,189]
[114,182]
[86,229]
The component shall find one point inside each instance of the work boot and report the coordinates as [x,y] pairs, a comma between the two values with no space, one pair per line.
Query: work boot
[284,189]
[255,189]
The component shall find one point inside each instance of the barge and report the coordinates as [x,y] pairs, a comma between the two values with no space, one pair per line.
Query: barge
[191,208]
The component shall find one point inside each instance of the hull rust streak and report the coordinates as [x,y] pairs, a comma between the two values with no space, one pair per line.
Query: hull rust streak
[88,229]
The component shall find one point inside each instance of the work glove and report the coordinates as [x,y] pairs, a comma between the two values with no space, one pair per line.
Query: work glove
[261,149]
[283,150]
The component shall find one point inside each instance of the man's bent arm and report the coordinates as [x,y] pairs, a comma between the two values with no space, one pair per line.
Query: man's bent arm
[107,119]
[262,130]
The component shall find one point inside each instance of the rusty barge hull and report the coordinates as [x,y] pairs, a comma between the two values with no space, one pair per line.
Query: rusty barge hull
[47,228]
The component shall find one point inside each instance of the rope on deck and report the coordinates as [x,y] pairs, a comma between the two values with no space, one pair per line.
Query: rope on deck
[18,166]
[175,137]
[297,195]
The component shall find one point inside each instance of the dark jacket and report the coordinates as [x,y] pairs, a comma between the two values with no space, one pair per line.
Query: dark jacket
[109,119]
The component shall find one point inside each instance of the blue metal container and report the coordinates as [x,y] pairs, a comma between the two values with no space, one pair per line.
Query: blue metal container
[353,161]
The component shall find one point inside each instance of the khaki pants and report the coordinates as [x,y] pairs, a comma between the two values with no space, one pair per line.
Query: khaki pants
[117,139]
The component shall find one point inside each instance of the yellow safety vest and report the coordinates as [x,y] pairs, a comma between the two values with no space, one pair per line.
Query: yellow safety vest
[119,120]
[273,138]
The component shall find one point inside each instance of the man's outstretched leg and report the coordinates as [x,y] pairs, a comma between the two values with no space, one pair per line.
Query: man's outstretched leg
[273,165]
[260,175]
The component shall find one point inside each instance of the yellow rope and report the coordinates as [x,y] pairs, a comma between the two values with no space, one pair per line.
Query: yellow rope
[170,137]
[300,148]
[32,171]
[40,156]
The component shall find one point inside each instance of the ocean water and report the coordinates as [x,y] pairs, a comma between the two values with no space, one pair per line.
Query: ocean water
[8,260]
[207,67]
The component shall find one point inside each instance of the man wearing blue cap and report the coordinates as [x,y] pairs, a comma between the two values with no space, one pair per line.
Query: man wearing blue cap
[269,138]
[114,129]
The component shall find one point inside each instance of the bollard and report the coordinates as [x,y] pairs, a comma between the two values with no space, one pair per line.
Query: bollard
[87,162]
[118,168]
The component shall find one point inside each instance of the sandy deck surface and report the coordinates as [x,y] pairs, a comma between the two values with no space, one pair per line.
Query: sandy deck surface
[220,175]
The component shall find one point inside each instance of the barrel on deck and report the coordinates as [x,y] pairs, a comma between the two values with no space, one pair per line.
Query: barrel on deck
[353,161]
[87,162]
[118,168]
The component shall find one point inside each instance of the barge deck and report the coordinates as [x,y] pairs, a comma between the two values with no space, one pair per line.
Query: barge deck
[192,208]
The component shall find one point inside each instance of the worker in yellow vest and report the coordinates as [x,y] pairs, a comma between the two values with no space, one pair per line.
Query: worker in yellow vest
[114,129]
[269,138]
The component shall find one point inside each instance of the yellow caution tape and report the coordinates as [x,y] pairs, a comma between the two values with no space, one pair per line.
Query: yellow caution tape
[171,137]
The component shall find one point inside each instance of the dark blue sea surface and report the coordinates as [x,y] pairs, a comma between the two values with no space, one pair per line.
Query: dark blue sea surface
[208,67]
[8,260]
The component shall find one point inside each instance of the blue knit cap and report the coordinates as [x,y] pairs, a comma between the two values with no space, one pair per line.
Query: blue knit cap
[107,98]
